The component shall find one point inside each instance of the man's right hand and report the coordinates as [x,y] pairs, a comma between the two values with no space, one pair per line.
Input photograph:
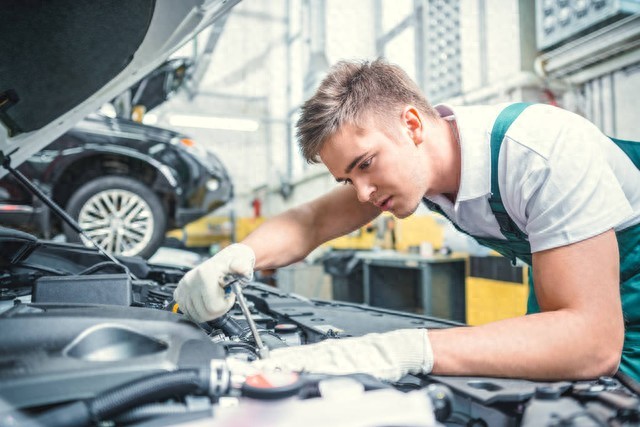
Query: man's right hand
[201,295]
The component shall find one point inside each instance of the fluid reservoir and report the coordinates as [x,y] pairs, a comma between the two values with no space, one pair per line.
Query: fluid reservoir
[289,332]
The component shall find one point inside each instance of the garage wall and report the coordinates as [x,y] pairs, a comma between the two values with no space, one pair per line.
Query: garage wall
[608,101]
[246,78]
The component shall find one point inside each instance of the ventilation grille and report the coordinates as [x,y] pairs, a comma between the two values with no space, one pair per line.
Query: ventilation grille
[443,63]
[562,20]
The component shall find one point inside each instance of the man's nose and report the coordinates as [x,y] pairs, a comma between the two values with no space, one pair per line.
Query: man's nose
[364,190]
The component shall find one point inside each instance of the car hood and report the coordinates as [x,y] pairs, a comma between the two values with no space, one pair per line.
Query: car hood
[64,59]
[118,126]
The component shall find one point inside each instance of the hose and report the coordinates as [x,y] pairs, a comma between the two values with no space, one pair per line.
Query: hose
[150,389]
[153,410]
[103,265]
[227,324]
[232,328]
[122,398]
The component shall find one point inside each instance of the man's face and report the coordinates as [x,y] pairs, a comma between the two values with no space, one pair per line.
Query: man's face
[384,165]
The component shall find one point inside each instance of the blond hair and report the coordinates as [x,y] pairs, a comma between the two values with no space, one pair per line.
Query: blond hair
[347,95]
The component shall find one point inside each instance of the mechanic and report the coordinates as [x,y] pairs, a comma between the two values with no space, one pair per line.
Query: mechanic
[562,197]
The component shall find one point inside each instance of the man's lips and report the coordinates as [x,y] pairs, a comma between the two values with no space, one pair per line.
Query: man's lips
[384,204]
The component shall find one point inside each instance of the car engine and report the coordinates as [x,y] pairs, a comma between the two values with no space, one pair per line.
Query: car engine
[86,341]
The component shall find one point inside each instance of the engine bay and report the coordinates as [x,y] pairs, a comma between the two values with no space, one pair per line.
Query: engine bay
[90,342]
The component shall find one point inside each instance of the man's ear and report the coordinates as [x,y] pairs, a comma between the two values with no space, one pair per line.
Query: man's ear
[413,124]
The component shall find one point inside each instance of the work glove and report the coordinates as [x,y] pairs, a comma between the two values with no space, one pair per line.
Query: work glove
[201,295]
[388,356]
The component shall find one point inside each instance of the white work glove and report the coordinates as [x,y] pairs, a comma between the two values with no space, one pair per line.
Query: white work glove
[388,356]
[200,294]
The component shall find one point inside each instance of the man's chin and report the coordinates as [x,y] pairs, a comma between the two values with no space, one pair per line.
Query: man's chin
[401,214]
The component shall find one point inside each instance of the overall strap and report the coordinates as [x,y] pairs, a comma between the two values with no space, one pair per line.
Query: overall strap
[436,208]
[508,228]
[630,148]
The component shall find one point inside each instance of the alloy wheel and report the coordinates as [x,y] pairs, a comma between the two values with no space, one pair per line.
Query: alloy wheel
[119,221]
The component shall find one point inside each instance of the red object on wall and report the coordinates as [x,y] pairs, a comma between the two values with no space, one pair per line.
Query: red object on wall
[257,207]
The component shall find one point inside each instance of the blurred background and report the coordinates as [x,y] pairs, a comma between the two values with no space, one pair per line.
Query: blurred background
[253,72]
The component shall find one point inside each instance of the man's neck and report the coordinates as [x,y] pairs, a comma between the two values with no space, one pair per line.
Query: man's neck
[442,158]
[450,157]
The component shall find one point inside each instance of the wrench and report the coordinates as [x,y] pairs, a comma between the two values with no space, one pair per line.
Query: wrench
[235,282]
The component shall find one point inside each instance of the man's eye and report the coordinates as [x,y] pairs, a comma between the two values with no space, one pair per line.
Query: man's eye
[365,164]
[346,182]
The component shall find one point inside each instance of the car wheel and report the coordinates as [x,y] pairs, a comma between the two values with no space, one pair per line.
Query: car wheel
[121,214]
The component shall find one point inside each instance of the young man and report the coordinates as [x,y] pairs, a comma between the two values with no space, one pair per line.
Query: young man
[548,188]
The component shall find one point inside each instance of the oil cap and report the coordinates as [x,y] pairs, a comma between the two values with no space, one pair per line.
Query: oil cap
[271,385]
[286,328]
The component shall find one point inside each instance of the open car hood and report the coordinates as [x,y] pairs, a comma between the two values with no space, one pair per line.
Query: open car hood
[89,342]
[64,59]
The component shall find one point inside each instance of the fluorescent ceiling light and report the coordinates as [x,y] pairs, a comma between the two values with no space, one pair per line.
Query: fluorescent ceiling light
[150,119]
[211,122]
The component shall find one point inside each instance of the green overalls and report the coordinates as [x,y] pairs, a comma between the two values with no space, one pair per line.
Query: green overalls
[517,243]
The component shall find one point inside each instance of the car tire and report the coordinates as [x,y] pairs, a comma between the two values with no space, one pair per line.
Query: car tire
[123,215]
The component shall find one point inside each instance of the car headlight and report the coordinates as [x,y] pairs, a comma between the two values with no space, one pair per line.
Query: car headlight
[208,159]
[213,184]
[190,146]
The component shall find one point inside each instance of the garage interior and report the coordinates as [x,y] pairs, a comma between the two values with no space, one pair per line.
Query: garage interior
[198,151]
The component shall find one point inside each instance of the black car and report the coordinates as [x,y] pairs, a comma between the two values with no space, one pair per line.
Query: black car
[125,183]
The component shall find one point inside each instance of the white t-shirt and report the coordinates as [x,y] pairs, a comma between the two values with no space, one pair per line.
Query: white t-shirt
[561,179]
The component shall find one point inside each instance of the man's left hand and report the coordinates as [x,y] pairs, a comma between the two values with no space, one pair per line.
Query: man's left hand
[387,356]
